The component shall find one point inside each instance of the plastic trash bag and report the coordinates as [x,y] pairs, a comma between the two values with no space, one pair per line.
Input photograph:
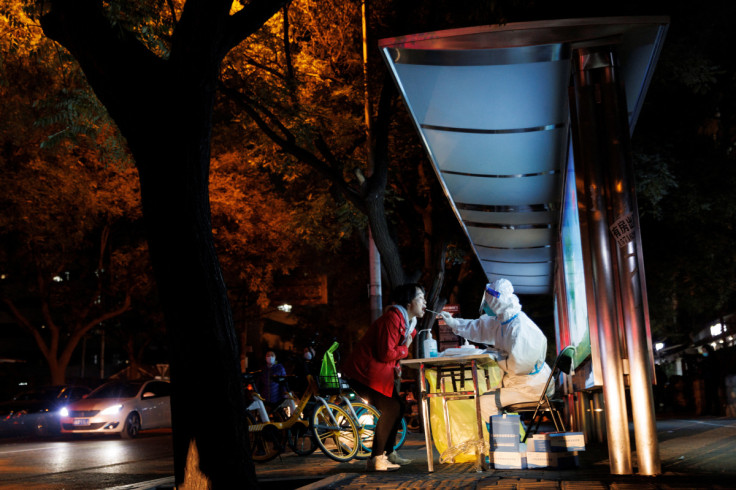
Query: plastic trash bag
[463,421]
[328,371]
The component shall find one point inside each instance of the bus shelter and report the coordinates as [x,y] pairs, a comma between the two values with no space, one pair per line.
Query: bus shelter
[528,127]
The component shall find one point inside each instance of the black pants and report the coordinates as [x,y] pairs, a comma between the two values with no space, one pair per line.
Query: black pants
[389,423]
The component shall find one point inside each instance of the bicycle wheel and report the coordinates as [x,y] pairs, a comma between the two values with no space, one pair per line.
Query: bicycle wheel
[264,443]
[367,420]
[298,437]
[301,440]
[401,435]
[338,441]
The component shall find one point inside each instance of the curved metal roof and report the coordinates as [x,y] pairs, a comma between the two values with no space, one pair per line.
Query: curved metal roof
[490,104]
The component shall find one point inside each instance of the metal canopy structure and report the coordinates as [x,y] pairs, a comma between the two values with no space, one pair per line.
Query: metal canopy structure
[491,106]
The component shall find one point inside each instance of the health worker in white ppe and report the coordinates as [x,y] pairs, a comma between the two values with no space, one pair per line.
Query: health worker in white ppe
[522,345]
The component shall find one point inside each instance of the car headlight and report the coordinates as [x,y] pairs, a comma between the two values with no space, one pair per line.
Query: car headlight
[112,410]
[64,412]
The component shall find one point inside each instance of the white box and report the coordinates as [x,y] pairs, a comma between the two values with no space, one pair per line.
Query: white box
[507,460]
[567,441]
[504,432]
[551,460]
[539,443]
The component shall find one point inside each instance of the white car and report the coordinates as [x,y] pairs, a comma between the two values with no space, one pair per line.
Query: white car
[123,407]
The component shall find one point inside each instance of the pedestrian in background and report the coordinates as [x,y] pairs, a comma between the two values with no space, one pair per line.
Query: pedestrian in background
[271,390]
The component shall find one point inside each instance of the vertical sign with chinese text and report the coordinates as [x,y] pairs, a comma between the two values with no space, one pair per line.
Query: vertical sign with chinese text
[623,229]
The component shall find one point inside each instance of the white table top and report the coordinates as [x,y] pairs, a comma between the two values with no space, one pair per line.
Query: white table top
[482,360]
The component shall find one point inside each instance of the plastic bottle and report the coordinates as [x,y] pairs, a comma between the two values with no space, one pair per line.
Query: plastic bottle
[430,346]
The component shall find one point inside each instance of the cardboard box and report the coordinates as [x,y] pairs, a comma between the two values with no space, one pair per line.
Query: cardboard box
[506,460]
[504,433]
[567,441]
[552,460]
[539,443]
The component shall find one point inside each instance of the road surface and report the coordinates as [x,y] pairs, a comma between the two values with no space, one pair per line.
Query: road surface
[86,463]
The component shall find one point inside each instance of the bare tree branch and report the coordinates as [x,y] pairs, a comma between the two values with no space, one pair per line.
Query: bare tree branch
[125,306]
[288,143]
[26,324]
[249,20]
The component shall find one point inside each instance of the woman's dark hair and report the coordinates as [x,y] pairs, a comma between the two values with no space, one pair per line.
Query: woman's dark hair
[405,294]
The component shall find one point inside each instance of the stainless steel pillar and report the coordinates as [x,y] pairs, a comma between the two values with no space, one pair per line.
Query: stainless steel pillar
[589,67]
[624,227]
[597,411]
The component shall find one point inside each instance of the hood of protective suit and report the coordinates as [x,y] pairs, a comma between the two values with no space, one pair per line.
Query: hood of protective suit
[500,299]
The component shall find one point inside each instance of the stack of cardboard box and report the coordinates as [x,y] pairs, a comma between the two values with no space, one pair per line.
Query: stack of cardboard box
[556,450]
[507,452]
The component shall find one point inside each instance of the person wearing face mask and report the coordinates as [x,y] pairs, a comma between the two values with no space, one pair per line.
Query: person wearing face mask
[302,367]
[272,391]
[522,344]
[373,369]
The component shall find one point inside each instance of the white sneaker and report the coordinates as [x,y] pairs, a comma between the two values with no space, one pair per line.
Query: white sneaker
[380,463]
[396,459]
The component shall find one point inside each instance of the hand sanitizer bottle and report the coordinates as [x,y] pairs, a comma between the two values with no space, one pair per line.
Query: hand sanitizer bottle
[430,346]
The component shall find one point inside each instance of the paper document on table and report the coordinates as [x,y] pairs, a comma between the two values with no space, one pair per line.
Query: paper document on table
[460,351]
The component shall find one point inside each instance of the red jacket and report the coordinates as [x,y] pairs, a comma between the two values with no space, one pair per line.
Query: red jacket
[376,355]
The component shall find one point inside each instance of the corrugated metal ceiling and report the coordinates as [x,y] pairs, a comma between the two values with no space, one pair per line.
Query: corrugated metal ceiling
[490,104]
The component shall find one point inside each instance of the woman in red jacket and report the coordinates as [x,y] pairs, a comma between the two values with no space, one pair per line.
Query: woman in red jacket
[373,369]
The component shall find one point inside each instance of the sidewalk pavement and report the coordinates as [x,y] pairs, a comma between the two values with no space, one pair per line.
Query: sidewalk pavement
[695,454]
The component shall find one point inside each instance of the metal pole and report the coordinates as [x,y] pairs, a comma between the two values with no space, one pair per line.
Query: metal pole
[102,353]
[84,355]
[588,159]
[374,257]
[625,228]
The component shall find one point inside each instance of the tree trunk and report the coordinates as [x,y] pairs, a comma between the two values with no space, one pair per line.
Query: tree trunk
[205,363]
[390,258]
[164,110]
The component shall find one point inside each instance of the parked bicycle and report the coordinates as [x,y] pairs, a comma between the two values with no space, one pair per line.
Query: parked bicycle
[269,440]
[333,430]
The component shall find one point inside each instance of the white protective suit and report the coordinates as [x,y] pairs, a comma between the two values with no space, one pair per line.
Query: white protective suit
[522,345]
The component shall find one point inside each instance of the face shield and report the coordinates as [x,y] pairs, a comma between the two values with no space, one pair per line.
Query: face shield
[485,308]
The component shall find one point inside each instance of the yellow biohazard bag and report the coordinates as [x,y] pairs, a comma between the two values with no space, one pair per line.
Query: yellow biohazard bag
[462,414]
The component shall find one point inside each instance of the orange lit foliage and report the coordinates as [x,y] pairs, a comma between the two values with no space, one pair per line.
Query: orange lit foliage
[302,95]
[301,98]
[71,203]
[260,232]
[65,214]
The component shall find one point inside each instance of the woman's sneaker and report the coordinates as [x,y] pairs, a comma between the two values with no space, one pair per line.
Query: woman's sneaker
[380,463]
[396,459]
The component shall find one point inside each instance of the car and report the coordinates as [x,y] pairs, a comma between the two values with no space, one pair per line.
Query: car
[120,407]
[36,411]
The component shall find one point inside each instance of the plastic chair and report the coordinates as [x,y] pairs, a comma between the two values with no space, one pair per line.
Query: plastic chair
[563,364]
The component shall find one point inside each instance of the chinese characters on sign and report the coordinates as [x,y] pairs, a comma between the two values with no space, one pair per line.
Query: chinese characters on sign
[623,229]
[446,337]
